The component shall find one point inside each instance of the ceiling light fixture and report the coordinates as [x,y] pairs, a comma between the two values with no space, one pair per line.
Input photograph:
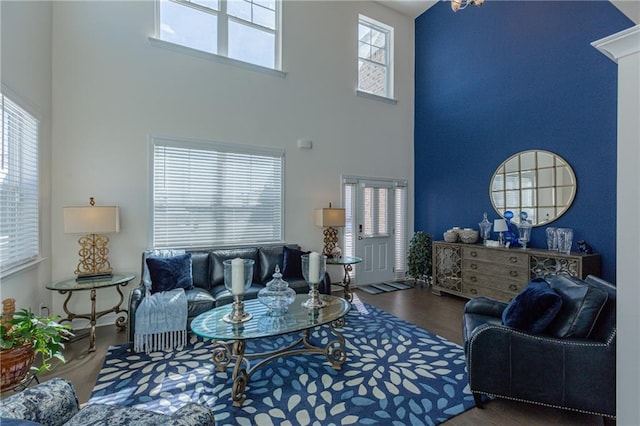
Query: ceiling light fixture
[461,4]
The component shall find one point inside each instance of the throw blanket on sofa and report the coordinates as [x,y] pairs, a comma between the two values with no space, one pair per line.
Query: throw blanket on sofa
[161,321]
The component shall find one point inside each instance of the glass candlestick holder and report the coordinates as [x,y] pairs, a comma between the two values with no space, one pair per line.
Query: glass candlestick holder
[314,266]
[238,275]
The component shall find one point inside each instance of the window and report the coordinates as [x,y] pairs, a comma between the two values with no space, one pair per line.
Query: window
[375,57]
[209,194]
[19,188]
[245,30]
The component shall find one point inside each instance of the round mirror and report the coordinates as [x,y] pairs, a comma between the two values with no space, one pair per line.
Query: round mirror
[540,183]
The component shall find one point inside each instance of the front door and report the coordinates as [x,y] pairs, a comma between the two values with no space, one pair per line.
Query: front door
[374,231]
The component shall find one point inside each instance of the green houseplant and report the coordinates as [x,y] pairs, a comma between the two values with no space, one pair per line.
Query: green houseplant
[419,259]
[25,335]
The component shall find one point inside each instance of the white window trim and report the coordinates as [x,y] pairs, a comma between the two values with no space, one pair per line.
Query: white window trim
[221,58]
[218,146]
[156,42]
[390,98]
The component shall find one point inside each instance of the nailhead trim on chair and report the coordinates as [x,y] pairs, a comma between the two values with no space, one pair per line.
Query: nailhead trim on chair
[544,404]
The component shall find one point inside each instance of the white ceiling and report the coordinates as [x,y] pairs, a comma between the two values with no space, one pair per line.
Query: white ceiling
[415,8]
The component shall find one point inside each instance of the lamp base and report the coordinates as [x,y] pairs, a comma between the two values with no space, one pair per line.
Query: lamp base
[94,277]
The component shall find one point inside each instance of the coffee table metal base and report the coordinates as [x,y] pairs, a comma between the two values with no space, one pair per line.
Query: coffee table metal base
[224,353]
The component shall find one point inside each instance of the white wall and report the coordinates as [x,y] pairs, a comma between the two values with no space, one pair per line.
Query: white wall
[26,78]
[112,89]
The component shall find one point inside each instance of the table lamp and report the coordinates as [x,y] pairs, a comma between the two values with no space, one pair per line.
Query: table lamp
[93,221]
[330,218]
[500,226]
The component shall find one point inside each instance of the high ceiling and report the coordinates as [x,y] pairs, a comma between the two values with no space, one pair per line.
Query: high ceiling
[415,8]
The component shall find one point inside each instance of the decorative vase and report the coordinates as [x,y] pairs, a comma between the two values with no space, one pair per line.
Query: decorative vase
[524,229]
[485,228]
[276,295]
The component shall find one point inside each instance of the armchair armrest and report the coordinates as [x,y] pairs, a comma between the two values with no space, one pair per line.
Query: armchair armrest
[485,306]
[53,403]
[135,298]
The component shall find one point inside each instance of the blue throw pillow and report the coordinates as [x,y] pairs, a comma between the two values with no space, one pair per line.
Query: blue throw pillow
[533,309]
[292,263]
[168,273]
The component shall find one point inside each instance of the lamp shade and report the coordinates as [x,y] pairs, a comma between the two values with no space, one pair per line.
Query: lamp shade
[500,225]
[330,217]
[91,220]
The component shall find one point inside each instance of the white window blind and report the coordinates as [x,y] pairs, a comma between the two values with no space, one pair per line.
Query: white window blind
[400,230]
[19,188]
[208,194]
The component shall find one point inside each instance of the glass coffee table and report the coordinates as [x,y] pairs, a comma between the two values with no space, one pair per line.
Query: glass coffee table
[229,340]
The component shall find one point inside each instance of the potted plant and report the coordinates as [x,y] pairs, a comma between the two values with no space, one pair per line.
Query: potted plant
[23,336]
[419,259]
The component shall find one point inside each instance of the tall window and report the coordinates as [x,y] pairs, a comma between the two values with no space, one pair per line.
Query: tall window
[246,30]
[375,57]
[19,188]
[208,194]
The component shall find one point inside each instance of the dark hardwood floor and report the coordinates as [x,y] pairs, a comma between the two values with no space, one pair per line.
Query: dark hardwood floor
[439,314]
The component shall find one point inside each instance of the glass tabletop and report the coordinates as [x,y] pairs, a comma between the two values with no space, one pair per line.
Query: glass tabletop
[211,325]
[347,260]
[87,284]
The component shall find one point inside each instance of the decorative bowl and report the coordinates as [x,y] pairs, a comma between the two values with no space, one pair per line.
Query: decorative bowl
[451,236]
[469,236]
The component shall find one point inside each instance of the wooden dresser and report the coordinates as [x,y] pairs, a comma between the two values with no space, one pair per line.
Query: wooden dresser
[472,270]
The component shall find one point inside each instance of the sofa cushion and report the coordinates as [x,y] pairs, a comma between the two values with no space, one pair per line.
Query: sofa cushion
[270,257]
[199,300]
[216,268]
[200,269]
[292,263]
[581,305]
[533,309]
[169,273]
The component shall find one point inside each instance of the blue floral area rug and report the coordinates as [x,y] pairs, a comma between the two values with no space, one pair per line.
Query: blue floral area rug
[395,374]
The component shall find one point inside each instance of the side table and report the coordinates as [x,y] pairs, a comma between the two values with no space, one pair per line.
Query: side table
[70,285]
[347,262]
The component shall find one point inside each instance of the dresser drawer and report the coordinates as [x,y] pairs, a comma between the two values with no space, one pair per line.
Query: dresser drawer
[509,271]
[513,286]
[504,257]
[471,291]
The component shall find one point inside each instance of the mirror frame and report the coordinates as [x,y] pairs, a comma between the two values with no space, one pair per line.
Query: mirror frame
[535,181]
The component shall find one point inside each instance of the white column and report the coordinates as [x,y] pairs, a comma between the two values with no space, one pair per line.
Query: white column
[624,49]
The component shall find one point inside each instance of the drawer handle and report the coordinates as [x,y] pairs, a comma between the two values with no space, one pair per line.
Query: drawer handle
[474,254]
[513,273]
[513,287]
[473,291]
[474,279]
[513,259]
[474,266]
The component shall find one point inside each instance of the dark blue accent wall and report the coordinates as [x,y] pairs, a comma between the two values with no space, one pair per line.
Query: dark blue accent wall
[511,76]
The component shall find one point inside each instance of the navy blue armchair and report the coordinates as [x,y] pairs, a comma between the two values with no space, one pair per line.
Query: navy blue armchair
[575,373]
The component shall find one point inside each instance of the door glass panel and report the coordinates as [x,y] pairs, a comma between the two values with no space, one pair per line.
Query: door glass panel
[376,216]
